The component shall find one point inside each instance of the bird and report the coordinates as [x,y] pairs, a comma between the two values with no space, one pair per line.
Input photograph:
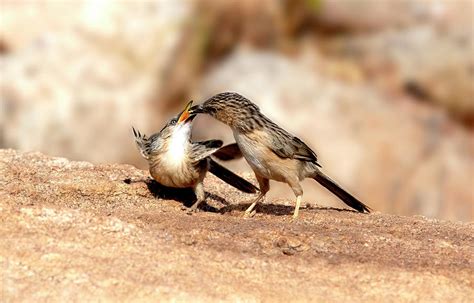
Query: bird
[272,152]
[175,161]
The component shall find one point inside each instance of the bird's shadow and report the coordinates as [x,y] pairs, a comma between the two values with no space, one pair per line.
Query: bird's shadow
[278,209]
[187,197]
[184,195]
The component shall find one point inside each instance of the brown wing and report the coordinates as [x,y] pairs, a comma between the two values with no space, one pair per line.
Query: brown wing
[285,145]
[201,150]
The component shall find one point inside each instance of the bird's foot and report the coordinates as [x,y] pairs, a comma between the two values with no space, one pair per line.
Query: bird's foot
[294,218]
[193,209]
[250,214]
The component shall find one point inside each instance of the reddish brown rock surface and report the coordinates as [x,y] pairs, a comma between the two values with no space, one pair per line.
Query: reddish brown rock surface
[75,231]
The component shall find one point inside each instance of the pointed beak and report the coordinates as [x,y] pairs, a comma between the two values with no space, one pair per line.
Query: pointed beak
[186,114]
[197,109]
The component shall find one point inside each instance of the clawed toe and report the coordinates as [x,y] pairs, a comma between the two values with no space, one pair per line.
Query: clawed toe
[250,214]
[192,210]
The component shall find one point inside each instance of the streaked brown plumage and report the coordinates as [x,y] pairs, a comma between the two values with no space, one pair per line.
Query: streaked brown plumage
[175,161]
[272,152]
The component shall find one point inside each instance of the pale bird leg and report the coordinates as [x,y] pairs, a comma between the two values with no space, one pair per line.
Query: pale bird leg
[248,212]
[264,185]
[297,207]
[200,195]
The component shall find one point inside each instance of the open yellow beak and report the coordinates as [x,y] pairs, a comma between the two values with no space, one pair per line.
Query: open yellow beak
[185,114]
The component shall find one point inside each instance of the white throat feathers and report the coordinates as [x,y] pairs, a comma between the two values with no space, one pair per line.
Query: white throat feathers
[179,143]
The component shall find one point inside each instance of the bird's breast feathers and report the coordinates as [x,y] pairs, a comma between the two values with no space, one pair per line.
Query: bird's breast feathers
[252,150]
[176,154]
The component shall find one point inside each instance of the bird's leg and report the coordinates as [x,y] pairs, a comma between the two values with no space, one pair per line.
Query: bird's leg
[298,191]
[248,211]
[297,207]
[200,195]
[264,185]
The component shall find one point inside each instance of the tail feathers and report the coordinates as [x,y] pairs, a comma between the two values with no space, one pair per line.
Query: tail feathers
[341,193]
[230,178]
[142,143]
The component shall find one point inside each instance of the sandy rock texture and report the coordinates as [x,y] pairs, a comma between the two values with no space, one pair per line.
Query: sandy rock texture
[76,231]
[433,64]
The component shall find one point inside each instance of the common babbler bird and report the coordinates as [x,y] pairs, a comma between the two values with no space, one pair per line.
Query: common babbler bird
[272,152]
[175,161]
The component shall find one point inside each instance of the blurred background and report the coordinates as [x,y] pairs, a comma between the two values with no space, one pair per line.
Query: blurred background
[383,91]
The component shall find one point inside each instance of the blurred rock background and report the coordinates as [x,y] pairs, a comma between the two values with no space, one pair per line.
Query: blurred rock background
[381,90]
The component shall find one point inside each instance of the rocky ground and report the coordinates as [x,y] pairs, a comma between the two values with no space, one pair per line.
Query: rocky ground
[74,231]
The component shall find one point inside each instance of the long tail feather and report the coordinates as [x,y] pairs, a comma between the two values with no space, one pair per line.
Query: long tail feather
[346,197]
[229,177]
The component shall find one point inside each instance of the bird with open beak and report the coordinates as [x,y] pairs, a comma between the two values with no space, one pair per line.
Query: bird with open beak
[175,161]
[272,152]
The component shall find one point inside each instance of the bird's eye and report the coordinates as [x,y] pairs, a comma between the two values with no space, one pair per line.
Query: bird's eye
[173,121]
